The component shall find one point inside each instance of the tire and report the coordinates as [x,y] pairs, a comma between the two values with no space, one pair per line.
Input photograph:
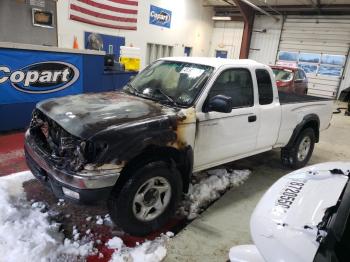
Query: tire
[295,157]
[126,203]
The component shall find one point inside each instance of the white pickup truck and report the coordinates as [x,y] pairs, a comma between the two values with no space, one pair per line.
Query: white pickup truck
[137,149]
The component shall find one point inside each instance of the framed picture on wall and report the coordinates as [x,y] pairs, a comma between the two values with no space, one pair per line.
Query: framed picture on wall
[42,18]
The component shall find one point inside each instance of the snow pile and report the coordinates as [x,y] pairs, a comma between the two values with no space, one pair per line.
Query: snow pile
[208,187]
[26,233]
[149,251]
[102,220]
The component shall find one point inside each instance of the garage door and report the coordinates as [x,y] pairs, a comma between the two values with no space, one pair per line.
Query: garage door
[320,46]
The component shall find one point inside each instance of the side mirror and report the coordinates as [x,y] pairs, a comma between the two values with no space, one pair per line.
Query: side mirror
[220,103]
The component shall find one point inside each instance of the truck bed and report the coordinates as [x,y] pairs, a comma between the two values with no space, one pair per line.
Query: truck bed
[289,98]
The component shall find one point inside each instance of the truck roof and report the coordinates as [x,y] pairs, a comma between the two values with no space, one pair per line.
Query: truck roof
[213,61]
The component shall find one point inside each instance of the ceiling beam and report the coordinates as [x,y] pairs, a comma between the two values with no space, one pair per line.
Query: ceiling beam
[341,9]
[257,8]
[228,2]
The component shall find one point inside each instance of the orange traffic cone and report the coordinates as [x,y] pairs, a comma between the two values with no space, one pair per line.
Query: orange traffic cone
[75,43]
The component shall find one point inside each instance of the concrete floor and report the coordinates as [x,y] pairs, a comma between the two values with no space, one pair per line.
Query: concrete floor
[226,222]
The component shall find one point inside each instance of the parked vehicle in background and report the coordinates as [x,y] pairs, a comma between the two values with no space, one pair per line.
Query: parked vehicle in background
[303,217]
[290,79]
[138,148]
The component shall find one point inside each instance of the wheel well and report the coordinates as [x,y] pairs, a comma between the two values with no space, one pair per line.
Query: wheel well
[182,160]
[315,126]
[310,121]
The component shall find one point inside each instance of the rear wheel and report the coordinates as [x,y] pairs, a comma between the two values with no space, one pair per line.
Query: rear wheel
[300,153]
[147,199]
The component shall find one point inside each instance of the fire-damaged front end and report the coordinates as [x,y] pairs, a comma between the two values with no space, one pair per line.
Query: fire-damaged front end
[79,145]
[60,160]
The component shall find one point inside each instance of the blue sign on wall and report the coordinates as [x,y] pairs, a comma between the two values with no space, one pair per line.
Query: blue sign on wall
[159,16]
[221,54]
[31,76]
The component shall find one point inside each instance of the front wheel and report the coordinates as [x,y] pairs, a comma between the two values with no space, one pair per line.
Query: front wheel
[147,199]
[300,153]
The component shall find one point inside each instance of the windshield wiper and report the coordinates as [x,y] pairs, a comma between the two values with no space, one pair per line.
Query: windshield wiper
[169,98]
[134,90]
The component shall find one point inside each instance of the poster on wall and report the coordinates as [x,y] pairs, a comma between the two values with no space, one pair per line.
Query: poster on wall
[160,16]
[31,76]
[221,54]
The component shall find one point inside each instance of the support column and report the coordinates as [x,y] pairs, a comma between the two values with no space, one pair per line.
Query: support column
[248,14]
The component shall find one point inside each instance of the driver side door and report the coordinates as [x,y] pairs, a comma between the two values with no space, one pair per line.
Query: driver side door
[222,137]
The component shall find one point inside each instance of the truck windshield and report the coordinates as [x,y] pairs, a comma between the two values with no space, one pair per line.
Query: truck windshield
[283,75]
[173,82]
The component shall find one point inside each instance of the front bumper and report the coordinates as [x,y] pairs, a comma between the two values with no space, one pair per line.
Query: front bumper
[78,187]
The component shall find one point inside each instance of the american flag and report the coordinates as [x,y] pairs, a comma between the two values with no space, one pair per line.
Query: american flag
[117,14]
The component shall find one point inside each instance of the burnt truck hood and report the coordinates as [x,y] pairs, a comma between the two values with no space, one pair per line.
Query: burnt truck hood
[86,115]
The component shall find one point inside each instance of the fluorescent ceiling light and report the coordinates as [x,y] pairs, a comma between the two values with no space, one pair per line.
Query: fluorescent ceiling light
[222,18]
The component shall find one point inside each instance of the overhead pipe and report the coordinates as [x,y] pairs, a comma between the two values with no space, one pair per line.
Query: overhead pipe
[260,9]
[270,7]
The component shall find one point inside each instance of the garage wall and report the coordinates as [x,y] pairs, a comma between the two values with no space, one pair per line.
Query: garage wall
[16,24]
[227,36]
[324,35]
[264,44]
[191,26]
[305,34]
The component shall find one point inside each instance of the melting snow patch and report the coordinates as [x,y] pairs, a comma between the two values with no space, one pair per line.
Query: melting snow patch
[208,187]
[149,251]
[25,231]
[99,220]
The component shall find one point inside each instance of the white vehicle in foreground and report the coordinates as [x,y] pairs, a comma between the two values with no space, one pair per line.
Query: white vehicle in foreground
[303,217]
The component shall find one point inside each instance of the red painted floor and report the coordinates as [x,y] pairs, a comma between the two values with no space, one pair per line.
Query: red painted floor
[11,154]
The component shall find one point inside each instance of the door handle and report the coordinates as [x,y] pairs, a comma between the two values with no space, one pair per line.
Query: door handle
[252,118]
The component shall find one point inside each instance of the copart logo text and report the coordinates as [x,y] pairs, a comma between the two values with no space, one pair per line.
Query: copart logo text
[41,78]
[161,17]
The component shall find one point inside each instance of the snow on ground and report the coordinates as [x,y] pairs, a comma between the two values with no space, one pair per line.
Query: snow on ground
[29,233]
[149,251]
[26,233]
[208,186]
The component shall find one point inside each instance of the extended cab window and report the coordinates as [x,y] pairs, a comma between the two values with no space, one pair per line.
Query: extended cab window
[237,84]
[264,87]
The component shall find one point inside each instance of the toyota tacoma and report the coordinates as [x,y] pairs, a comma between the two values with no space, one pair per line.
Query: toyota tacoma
[137,148]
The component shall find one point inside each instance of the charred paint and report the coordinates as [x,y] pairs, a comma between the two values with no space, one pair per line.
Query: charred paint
[86,115]
[107,130]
